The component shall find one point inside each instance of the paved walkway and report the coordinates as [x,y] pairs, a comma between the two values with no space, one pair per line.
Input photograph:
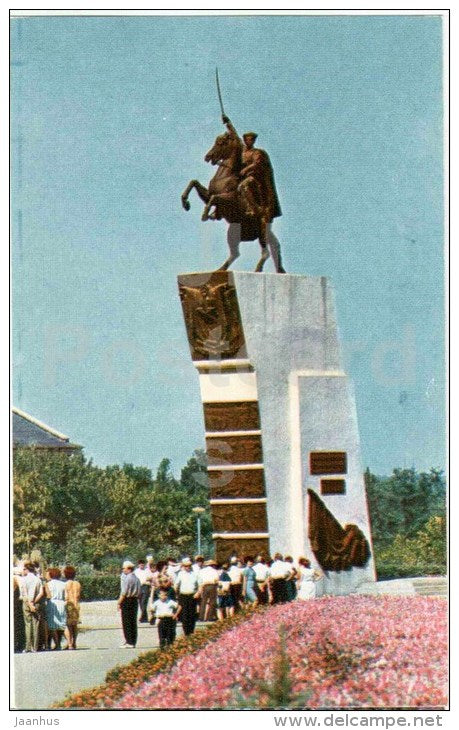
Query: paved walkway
[47,677]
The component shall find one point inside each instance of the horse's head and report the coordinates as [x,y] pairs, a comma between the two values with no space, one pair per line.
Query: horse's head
[224,147]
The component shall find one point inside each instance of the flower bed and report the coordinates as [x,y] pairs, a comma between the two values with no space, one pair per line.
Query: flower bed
[343,652]
[132,675]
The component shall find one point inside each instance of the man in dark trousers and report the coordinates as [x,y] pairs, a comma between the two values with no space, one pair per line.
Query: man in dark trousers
[186,588]
[128,604]
[145,577]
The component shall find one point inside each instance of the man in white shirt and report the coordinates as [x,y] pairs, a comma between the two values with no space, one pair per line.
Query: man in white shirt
[186,588]
[262,573]
[31,587]
[145,576]
[280,571]
[208,582]
[235,573]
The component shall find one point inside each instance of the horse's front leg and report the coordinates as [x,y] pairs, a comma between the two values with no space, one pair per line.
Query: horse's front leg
[206,212]
[200,189]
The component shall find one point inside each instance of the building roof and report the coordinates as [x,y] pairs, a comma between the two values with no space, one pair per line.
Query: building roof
[29,431]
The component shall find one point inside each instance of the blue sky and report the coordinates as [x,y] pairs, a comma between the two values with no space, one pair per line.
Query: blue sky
[112,117]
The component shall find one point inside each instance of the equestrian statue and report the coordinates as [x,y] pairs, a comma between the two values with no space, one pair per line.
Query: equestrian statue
[242,192]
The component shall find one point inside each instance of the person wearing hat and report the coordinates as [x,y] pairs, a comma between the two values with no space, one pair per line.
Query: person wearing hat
[208,582]
[128,604]
[186,587]
[257,187]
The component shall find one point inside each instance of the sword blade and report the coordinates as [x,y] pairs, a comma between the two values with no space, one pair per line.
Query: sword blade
[219,92]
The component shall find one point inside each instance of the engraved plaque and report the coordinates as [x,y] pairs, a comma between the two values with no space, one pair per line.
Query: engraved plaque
[243,416]
[239,517]
[328,462]
[234,450]
[212,317]
[237,483]
[332,486]
[224,549]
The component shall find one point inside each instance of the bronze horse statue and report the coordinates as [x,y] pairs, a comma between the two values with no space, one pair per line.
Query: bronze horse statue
[223,199]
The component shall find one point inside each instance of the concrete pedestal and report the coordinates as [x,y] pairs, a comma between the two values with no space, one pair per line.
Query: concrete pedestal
[279,412]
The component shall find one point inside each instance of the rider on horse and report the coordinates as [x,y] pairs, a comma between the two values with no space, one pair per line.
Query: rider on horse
[257,188]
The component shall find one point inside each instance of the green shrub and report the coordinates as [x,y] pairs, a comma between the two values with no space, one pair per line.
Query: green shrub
[386,571]
[99,587]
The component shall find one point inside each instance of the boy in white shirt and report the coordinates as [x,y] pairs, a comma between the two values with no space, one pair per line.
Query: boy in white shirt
[166,611]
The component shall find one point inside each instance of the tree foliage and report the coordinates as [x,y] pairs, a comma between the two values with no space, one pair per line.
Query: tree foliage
[408,520]
[72,510]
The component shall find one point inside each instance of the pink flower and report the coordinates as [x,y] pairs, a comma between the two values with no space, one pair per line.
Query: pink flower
[348,651]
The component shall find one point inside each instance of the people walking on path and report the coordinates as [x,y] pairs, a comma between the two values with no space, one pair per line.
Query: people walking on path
[56,612]
[186,588]
[166,611]
[128,604]
[307,579]
[208,581]
[72,601]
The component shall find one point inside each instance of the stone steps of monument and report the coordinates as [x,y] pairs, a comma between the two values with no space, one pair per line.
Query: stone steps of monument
[431,586]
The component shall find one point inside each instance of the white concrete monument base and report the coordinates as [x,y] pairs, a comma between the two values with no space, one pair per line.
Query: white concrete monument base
[280,418]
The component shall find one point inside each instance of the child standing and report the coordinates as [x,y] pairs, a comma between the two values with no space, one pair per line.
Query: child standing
[166,611]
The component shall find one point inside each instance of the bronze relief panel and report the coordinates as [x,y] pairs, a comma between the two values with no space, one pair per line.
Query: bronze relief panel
[234,450]
[224,549]
[242,416]
[239,517]
[212,316]
[237,483]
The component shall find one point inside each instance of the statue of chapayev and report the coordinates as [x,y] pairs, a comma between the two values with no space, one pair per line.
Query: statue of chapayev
[257,187]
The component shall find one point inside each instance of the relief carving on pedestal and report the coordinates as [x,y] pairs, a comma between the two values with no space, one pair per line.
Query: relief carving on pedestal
[241,547]
[237,483]
[335,547]
[234,449]
[239,517]
[212,317]
[237,416]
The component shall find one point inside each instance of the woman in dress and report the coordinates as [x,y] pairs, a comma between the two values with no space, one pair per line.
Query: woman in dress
[250,581]
[225,602]
[307,579]
[56,615]
[72,601]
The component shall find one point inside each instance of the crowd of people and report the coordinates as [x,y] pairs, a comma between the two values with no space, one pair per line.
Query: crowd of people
[46,608]
[170,590]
